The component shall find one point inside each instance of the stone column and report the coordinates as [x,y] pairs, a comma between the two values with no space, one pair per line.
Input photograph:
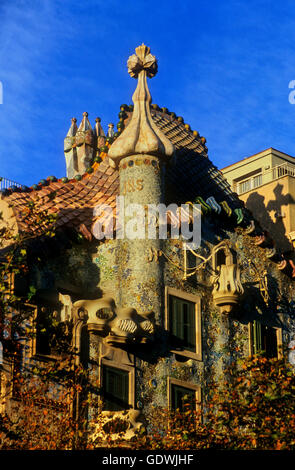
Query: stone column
[140,153]
[141,280]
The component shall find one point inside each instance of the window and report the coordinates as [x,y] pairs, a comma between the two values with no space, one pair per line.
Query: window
[117,387]
[250,183]
[265,340]
[257,181]
[183,321]
[182,398]
[244,186]
[42,332]
[182,395]
[52,336]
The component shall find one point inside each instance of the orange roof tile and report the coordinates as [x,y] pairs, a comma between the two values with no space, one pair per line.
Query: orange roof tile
[73,201]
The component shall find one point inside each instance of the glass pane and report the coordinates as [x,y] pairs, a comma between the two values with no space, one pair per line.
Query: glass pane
[256,337]
[182,323]
[269,341]
[245,186]
[182,397]
[264,340]
[115,389]
[257,181]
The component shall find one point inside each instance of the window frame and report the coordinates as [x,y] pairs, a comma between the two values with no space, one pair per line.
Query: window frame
[189,386]
[279,337]
[170,291]
[251,180]
[35,353]
[131,382]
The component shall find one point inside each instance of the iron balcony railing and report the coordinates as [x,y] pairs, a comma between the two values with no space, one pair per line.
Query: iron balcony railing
[253,182]
[5,183]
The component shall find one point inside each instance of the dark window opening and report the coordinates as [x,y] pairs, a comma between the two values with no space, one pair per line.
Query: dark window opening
[43,332]
[115,384]
[182,398]
[52,336]
[264,340]
[182,321]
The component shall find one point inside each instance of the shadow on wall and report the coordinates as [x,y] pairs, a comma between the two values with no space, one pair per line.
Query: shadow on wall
[274,225]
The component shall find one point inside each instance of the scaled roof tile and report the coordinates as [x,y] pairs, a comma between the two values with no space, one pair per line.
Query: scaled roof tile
[73,201]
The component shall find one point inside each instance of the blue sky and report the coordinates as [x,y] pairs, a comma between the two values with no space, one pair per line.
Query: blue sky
[224,65]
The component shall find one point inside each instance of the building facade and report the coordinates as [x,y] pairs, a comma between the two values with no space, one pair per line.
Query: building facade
[265,182]
[151,318]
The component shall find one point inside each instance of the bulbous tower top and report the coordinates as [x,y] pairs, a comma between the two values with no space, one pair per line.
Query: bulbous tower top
[141,136]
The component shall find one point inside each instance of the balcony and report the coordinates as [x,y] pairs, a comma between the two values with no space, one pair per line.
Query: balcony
[259,179]
[6,183]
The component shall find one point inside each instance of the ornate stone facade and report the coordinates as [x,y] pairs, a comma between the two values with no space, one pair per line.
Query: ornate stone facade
[150,314]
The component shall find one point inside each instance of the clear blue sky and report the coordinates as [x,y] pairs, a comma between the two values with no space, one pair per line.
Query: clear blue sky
[224,65]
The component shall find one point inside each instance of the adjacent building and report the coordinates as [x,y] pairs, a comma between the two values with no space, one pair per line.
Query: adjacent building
[266,183]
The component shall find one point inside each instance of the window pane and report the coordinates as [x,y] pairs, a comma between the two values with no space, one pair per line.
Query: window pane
[245,186]
[256,337]
[182,323]
[269,341]
[264,340]
[182,397]
[43,332]
[115,389]
[257,181]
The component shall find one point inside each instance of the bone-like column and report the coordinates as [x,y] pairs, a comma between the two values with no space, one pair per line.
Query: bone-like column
[140,153]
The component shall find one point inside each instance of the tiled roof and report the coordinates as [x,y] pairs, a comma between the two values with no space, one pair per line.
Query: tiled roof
[193,178]
[74,200]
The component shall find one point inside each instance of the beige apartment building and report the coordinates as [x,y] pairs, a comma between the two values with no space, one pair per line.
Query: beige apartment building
[266,183]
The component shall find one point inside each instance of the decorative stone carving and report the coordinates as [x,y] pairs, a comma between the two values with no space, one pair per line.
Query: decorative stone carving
[85,144]
[79,145]
[142,60]
[66,307]
[141,136]
[124,328]
[239,215]
[227,286]
[148,326]
[226,208]
[99,133]
[70,150]
[118,425]
[117,325]
[213,204]
[111,131]
[264,240]
[250,228]
[99,311]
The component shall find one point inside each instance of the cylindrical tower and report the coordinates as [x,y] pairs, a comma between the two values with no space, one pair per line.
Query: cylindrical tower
[140,153]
